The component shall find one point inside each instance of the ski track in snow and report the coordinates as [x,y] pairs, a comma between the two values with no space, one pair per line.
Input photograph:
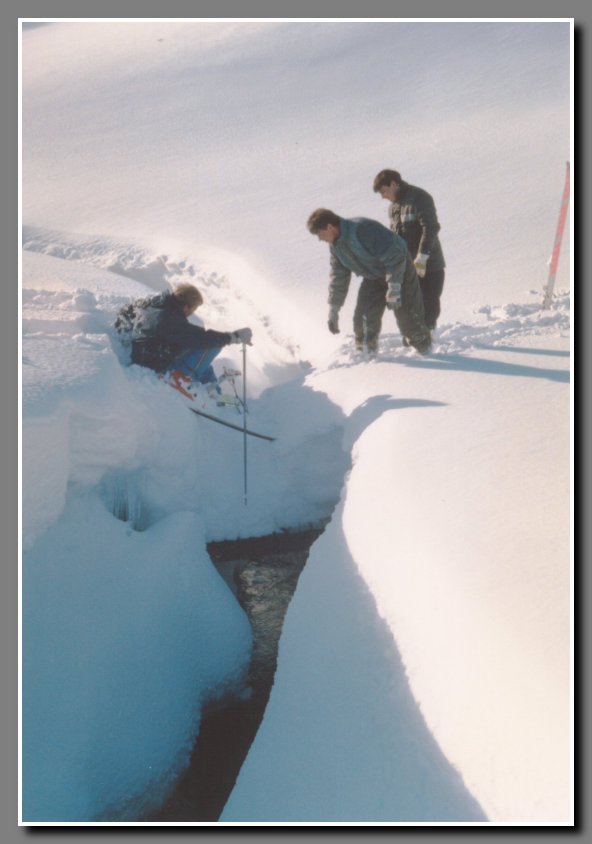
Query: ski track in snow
[131,261]
[495,326]
[137,263]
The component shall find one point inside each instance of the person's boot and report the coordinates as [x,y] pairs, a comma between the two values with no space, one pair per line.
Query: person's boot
[423,346]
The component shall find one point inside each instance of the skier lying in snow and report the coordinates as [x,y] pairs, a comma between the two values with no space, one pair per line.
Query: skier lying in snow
[163,339]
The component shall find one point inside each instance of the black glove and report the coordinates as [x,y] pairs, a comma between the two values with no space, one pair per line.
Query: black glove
[333,321]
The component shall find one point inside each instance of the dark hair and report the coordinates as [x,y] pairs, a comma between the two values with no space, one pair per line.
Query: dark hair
[187,294]
[320,219]
[385,178]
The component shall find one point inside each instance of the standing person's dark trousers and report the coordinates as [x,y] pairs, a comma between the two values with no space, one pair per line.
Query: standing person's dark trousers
[432,285]
[370,307]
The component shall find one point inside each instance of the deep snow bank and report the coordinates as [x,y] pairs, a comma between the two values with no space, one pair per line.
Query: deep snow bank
[125,634]
[102,416]
[343,740]
[127,627]
[428,645]
[452,541]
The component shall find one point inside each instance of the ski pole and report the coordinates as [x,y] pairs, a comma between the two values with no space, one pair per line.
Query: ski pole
[245,417]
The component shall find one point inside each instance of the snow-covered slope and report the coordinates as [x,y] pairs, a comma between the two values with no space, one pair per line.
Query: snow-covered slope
[227,136]
[424,668]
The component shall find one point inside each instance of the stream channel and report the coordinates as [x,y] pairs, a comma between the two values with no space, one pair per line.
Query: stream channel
[262,573]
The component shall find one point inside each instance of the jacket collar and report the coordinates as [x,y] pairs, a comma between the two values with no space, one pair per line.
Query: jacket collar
[175,303]
[345,229]
[403,188]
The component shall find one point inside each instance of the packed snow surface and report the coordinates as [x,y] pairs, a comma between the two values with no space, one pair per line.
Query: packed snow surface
[424,671]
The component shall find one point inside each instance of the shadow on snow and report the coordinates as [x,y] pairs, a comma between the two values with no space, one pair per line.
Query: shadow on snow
[464,363]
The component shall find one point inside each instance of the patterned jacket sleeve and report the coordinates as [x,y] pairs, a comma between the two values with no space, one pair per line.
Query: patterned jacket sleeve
[428,220]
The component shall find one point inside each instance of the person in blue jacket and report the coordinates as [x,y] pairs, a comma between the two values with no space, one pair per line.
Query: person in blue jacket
[370,250]
[163,339]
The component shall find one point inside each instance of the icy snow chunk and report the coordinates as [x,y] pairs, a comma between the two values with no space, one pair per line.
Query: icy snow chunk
[125,635]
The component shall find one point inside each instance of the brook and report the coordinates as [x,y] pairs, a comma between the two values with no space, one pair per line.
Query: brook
[262,573]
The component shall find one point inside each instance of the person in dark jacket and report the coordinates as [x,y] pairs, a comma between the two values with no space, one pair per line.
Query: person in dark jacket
[413,216]
[368,249]
[163,339]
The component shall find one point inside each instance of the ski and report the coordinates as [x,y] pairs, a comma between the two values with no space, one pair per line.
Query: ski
[231,425]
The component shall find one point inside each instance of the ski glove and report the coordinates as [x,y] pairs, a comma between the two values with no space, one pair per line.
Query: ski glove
[393,295]
[333,321]
[242,335]
[421,264]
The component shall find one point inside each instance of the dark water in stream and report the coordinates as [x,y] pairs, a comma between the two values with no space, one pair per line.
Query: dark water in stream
[263,574]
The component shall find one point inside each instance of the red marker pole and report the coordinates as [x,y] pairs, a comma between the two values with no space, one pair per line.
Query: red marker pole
[557,245]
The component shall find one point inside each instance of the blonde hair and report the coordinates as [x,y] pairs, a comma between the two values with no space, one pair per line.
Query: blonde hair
[187,294]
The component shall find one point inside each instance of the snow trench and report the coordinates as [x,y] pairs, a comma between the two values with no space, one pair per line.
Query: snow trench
[262,572]
[123,491]
[111,446]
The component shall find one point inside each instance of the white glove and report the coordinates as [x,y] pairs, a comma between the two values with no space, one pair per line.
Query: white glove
[420,263]
[333,321]
[393,295]
[242,335]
